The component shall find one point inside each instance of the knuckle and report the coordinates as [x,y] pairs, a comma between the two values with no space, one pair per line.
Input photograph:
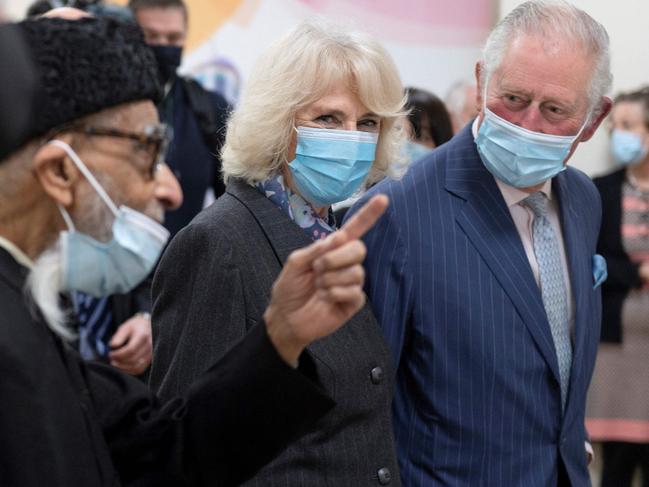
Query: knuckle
[360,273]
[290,261]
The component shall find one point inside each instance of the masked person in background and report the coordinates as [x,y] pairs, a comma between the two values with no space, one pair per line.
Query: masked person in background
[483,272]
[428,123]
[81,200]
[196,116]
[618,400]
[315,122]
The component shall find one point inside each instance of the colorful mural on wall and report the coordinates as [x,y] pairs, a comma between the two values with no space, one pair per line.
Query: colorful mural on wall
[433,42]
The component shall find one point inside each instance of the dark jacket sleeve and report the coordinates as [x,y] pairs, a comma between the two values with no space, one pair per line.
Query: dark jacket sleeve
[212,112]
[622,273]
[238,415]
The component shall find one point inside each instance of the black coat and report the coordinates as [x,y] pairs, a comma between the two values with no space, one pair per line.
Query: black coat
[68,423]
[211,288]
[622,273]
[198,118]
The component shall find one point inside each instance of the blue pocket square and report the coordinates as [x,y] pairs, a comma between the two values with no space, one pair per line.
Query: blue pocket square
[599,270]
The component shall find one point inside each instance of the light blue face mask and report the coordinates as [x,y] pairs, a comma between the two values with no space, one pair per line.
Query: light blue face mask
[330,165]
[113,267]
[627,148]
[415,151]
[520,157]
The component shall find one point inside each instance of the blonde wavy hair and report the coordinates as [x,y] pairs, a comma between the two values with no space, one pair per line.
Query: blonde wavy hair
[298,70]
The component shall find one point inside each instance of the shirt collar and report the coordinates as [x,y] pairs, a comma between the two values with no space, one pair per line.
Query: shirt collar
[474,127]
[16,253]
[512,195]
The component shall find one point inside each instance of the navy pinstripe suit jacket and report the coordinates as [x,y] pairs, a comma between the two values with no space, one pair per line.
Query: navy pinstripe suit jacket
[478,399]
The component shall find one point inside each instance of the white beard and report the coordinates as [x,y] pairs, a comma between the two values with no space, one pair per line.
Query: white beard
[44,287]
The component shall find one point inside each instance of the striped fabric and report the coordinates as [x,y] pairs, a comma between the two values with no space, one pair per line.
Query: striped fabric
[618,401]
[95,321]
[478,399]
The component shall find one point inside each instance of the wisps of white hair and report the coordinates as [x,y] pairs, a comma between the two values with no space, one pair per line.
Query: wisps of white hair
[43,287]
[553,20]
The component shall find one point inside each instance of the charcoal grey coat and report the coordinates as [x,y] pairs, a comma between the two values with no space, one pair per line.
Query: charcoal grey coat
[213,285]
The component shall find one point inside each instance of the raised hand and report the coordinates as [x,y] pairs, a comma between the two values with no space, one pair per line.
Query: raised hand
[321,286]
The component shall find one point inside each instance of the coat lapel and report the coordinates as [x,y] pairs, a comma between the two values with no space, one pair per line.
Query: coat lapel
[486,221]
[283,235]
[579,271]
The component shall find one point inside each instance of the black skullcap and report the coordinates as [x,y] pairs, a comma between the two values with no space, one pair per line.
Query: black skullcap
[86,65]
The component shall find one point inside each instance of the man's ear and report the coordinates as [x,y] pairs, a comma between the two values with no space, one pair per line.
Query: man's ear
[56,173]
[605,106]
[479,88]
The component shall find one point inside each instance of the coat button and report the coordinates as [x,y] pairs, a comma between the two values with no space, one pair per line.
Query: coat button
[376,375]
[384,476]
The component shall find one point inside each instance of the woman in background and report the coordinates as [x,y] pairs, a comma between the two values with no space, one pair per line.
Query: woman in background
[618,402]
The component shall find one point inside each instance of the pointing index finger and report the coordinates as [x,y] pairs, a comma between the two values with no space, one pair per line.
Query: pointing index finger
[361,221]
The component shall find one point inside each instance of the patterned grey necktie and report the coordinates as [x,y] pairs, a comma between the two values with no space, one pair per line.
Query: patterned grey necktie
[553,286]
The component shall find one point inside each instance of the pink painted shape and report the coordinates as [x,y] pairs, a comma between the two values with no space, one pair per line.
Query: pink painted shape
[459,22]
[458,13]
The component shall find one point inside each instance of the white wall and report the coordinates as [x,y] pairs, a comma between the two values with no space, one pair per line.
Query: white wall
[627,24]
[15,9]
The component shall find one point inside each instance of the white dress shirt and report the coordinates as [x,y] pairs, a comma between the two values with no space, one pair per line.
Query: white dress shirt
[16,253]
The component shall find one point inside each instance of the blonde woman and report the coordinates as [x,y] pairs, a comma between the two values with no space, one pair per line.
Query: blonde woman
[315,123]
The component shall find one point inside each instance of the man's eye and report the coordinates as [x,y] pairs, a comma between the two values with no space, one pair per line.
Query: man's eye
[174,39]
[141,146]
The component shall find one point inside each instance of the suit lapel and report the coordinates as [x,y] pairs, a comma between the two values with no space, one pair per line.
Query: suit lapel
[486,221]
[579,270]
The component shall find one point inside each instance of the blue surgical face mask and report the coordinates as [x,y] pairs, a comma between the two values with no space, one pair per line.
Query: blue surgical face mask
[415,151]
[113,267]
[330,165]
[627,148]
[520,157]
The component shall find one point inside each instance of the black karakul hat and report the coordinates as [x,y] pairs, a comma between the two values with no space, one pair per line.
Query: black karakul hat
[87,65]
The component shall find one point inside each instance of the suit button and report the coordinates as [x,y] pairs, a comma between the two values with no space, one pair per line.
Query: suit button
[376,375]
[384,476]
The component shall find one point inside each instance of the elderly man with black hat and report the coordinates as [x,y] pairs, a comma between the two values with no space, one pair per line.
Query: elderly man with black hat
[80,203]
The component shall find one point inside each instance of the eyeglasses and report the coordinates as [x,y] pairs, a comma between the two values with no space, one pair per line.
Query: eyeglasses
[154,140]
